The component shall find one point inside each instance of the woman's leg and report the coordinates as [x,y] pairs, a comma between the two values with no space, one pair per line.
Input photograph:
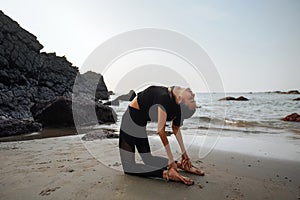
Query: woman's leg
[127,154]
[143,147]
[133,133]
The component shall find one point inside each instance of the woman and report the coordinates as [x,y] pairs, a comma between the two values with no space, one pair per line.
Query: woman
[161,104]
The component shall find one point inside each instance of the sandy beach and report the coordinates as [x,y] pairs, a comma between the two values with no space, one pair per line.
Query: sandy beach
[67,168]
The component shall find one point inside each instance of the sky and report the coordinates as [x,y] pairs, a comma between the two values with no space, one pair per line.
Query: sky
[254,45]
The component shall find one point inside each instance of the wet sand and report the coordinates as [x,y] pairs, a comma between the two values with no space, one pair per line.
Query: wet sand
[67,168]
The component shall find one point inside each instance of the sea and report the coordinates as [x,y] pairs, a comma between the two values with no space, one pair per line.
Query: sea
[262,114]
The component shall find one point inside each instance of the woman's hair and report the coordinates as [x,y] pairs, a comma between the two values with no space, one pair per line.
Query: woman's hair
[186,112]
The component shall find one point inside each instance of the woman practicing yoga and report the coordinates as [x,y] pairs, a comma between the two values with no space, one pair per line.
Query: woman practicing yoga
[159,104]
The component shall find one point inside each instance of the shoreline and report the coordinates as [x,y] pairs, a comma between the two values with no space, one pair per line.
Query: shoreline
[63,168]
[284,146]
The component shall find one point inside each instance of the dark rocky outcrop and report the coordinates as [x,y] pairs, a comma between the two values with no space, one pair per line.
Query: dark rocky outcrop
[227,99]
[56,112]
[292,117]
[29,77]
[293,92]
[289,92]
[92,78]
[59,112]
[10,127]
[241,98]
[125,97]
[297,99]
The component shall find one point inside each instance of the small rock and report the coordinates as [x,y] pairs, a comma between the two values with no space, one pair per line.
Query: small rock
[116,164]
[200,186]
[99,134]
[292,117]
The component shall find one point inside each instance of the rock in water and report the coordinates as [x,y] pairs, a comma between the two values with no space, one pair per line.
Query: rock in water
[292,117]
[241,98]
[227,99]
[293,92]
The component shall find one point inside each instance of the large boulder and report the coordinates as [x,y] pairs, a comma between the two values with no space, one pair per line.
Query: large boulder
[93,79]
[56,112]
[292,117]
[297,99]
[59,112]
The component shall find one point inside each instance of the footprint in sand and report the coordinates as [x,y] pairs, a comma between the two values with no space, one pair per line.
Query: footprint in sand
[48,191]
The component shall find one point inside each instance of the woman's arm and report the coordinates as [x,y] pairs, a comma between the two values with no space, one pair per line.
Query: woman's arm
[161,125]
[177,133]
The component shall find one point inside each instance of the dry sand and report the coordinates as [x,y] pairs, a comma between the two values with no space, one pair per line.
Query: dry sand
[63,168]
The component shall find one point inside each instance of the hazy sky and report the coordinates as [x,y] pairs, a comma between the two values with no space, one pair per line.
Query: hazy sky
[255,45]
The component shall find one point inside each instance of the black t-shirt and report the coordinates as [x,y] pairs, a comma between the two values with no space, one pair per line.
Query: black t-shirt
[155,96]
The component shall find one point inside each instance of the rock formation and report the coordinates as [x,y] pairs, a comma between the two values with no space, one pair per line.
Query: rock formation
[289,92]
[29,78]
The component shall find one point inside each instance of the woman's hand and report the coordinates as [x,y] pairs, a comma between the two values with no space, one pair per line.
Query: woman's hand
[186,165]
[185,161]
[173,174]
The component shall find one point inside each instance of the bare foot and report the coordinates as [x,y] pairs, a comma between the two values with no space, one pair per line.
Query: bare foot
[173,175]
[192,169]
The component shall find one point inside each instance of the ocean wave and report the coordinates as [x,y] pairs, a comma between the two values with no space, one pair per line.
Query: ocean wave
[235,130]
[226,124]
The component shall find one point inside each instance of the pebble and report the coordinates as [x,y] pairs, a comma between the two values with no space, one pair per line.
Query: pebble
[200,186]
